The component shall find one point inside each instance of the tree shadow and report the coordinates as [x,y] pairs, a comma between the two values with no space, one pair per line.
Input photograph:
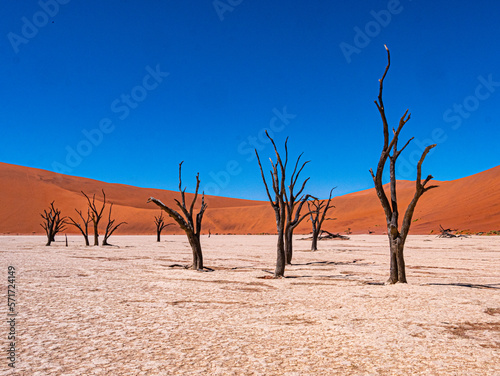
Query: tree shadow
[470,285]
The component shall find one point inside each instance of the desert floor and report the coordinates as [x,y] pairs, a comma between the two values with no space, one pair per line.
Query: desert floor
[124,310]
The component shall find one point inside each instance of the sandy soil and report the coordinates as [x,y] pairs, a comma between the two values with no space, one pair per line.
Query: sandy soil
[123,310]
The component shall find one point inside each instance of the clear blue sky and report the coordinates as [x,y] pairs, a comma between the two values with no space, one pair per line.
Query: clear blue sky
[122,91]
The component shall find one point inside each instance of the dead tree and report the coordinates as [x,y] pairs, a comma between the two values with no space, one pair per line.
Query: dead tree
[397,237]
[285,223]
[96,214]
[110,227]
[160,225]
[191,227]
[84,228]
[318,209]
[52,222]
[278,204]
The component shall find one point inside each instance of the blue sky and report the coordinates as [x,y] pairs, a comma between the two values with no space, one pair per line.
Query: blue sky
[122,91]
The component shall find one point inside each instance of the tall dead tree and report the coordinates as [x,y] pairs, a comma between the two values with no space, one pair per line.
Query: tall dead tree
[52,222]
[96,214]
[318,209]
[397,237]
[281,202]
[160,225]
[294,203]
[110,227]
[191,227]
[84,228]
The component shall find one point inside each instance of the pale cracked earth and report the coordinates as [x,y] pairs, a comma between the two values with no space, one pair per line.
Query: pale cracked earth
[123,310]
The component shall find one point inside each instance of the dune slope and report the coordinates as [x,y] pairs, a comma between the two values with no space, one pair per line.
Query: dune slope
[471,203]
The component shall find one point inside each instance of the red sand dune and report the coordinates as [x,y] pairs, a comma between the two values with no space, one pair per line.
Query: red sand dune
[471,203]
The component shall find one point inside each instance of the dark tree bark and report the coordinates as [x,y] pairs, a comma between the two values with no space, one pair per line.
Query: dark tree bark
[294,203]
[110,227]
[84,229]
[191,226]
[318,210]
[52,223]
[314,242]
[160,225]
[397,237]
[96,214]
[284,223]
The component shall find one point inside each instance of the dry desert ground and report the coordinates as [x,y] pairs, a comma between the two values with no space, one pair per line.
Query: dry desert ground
[124,310]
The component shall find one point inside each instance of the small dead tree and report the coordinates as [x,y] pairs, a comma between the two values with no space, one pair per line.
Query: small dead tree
[294,203]
[191,227]
[397,237]
[84,228]
[160,225]
[52,222]
[110,227]
[96,214]
[318,209]
[281,202]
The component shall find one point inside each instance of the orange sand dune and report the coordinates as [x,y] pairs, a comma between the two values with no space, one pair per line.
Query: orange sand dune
[471,203]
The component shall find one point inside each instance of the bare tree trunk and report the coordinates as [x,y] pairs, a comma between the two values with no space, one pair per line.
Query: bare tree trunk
[401,261]
[96,235]
[195,243]
[289,246]
[314,243]
[393,275]
[158,235]
[281,256]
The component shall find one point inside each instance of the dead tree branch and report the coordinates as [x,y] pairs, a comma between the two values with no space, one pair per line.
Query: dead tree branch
[84,228]
[96,214]
[110,227]
[294,203]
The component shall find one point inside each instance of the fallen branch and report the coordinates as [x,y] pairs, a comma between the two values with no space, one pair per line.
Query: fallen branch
[446,232]
[331,236]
